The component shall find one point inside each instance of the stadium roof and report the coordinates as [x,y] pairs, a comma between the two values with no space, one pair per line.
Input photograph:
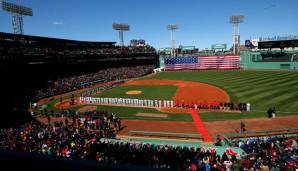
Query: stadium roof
[278,44]
[52,41]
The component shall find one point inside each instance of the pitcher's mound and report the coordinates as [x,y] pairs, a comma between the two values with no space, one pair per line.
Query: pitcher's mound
[133,92]
[87,109]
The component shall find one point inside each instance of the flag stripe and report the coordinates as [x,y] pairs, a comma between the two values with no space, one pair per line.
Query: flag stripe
[203,62]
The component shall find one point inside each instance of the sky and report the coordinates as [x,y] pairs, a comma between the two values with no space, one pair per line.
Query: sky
[201,22]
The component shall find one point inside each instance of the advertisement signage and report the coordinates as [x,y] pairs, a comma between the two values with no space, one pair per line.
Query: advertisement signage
[165,49]
[291,37]
[251,43]
[218,46]
[188,47]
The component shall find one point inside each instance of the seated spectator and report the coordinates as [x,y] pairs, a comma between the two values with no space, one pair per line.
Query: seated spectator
[67,84]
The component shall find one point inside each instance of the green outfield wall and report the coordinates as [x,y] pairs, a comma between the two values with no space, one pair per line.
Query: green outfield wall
[248,61]
[161,62]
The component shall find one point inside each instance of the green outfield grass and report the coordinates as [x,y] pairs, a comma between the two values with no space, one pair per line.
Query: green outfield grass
[153,92]
[262,89]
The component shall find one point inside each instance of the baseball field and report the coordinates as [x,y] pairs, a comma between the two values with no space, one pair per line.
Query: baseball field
[262,89]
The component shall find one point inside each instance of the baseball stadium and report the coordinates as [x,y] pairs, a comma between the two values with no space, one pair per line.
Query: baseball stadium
[85,105]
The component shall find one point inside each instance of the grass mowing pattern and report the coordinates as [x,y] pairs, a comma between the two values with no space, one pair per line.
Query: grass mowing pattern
[262,89]
[152,92]
[221,116]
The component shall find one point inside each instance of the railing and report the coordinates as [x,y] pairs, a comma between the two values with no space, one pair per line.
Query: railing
[227,141]
[165,134]
[263,133]
[93,82]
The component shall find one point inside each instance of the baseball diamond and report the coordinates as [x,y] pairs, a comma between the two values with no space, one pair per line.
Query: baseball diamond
[207,86]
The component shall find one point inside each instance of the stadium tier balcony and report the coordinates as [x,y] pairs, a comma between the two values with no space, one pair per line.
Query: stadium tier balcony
[47,48]
[67,84]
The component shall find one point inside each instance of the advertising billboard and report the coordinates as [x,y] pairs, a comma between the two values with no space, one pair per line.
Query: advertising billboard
[165,49]
[252,43]
[274,38]
[218,46]
[188,47]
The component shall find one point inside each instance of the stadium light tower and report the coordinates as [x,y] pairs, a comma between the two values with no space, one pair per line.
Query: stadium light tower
[173,28]
[235,20]
[121,27]
[17,13]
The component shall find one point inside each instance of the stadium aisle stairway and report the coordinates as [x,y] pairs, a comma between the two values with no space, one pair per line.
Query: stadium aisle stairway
[200,126]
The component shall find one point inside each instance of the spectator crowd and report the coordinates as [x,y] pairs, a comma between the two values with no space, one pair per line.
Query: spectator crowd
[276,153]
[76,49]
[82,81]
[104,87]
[86,139]
[68,141]
[107,124]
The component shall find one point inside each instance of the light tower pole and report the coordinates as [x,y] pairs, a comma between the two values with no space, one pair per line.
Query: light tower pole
[121,27]
[173,28]
[235,20]
[17,13]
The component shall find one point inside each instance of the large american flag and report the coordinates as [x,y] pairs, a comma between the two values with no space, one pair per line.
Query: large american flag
[185,62]
[203,62]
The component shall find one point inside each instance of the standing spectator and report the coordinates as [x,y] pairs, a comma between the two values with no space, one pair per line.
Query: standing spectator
[269,112]
[273,112]
[242,127]
[248,107]
[228,164]
[66,121]
[49,120]
[231,106]
[72,99]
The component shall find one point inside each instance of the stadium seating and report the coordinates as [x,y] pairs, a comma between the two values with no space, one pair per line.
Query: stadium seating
[275,57]
[67,84]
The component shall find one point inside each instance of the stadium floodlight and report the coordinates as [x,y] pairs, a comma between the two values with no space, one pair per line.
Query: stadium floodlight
[121,27]
[17,12]
[173,28]
[235,20]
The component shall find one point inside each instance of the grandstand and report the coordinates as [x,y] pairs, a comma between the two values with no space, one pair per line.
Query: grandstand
[277,54]
[36,62]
